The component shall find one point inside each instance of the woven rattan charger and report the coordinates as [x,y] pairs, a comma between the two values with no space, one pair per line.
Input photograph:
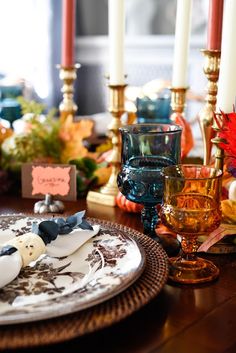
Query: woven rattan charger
[100,316]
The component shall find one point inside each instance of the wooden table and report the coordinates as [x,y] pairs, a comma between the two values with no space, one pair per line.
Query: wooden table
[179,320]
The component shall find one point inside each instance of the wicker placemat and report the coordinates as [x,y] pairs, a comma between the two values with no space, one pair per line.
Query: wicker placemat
[100,316]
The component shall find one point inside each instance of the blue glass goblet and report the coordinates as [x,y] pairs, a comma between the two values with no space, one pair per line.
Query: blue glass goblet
[146,149]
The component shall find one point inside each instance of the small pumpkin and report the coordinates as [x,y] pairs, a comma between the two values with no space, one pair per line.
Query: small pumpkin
[48,206]
[126,205]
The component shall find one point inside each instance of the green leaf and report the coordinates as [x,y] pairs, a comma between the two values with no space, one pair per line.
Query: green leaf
[30,106]
[90,164]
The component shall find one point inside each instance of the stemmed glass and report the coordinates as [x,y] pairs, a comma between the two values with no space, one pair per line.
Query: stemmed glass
[191,207]
[146,149]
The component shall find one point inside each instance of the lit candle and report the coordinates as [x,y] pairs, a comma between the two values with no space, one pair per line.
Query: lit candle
[182,34]
[227,77]
[68,33]
[116,21]
[214,32]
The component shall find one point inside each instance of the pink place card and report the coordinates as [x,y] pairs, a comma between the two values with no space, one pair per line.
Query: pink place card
[59,180]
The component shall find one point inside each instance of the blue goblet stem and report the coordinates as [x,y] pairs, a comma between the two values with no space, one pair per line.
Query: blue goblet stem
[149,218]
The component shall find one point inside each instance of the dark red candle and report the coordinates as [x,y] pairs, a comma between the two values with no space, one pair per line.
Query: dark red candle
[68,33]
[215,24]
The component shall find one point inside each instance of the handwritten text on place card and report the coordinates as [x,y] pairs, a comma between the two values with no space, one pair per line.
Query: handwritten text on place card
[48,180]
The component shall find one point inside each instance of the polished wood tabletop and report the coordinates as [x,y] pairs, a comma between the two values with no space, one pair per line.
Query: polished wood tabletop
[181,319]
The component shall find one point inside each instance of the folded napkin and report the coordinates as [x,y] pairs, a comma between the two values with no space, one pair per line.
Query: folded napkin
[222,231]
[67,245]
[227,228]
[56,237]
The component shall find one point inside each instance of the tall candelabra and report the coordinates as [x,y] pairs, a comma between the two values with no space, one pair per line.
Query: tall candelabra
[107,194]
[68,76]
[211,70]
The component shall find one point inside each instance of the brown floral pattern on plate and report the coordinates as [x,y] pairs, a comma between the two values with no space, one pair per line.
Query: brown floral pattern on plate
[103,267]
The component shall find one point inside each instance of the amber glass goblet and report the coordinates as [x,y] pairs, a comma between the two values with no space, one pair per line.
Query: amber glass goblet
[191,207]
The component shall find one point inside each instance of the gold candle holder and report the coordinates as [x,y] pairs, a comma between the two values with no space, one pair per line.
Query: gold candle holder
[219,153]
[211,69]
[68,76]
[107,194]
[178,104]
[178,100]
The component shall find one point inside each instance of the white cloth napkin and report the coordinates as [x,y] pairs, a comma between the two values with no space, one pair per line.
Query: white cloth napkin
[67,244]
[62,246]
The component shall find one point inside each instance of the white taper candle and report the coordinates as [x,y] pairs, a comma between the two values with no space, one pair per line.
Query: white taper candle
[182,34]
[227,77]
[116,24]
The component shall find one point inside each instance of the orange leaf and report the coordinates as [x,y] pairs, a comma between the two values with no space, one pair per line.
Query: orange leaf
[72,133]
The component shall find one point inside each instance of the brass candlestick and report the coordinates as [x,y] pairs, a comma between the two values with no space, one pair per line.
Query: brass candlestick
[68,76]
[211,69]
[219,153]
[117,109]
[178,100]
[107,194]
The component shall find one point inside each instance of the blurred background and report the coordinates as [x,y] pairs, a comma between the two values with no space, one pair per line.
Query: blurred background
[30,32]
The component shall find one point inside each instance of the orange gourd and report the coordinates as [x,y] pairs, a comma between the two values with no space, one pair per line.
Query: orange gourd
[126,205]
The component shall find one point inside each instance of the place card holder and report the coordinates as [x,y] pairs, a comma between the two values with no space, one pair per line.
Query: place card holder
[48,181]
